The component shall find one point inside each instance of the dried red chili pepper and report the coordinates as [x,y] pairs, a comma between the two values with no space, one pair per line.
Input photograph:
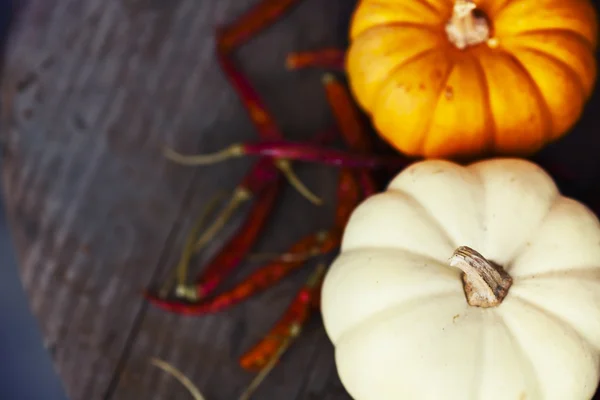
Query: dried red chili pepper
[329,58]
[355,136]
[240,244]
[254,185]
[288,327]
[291,151]
[251,22]
[348,198]
[229,37]
[349,195]
[236,249]
[261,279]
[351,126]
[263,355]
[261,118]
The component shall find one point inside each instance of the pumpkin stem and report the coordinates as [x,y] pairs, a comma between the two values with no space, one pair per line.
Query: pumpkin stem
[486,284]
[468,25]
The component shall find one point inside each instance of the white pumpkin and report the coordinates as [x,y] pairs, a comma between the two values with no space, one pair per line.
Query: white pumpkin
[397,311]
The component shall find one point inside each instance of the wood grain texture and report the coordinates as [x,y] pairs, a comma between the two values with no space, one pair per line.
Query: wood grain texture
[96,87]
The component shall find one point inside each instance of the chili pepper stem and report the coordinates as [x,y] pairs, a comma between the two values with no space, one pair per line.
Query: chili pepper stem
[183,289]
[270,347]
[316,277]
[240,195]
[293,151]
[180,273]
[264,181]
[286,169]
[294,332]
[177,374]
[233,151]
[238,150]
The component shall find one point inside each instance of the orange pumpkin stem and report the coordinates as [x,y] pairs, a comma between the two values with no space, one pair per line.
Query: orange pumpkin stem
[468,26]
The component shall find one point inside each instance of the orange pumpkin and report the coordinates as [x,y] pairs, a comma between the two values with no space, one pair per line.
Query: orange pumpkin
[445,78]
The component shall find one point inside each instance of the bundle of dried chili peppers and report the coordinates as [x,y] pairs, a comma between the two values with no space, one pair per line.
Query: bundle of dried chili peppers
[262,185]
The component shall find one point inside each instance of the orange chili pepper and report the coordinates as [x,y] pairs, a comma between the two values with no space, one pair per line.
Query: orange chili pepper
[330,58]
[250,23]
[288,327]
[349,194]
[351,125]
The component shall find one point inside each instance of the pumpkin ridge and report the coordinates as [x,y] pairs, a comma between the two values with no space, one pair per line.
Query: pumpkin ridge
[425,137]
[556,318]
[477,388]
[574,75]
[402,7]
[523,355]
[425,257]
[501,8]
[390,78]
[416,25]
[490,123]
[431,7]
[356,33]
[541,101]
[557,31]
[428,215]
[400,66]
[578,14]
[395,309]
[523,247]
[577,274]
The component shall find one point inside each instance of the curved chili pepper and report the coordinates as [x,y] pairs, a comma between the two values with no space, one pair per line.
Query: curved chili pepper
[259,280]
[265,171]
[261,118]
[234,252]
[351,125]
[330,58]
[349,195]
[250,23]
[289,325]
[288,150]
[262,181]
[240,244]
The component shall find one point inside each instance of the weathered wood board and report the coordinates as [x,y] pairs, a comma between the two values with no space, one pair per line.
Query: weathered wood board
[96,88]
[100,87]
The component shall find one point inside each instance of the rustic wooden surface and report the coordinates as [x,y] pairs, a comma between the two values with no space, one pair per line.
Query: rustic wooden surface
[97,213]
[96,88]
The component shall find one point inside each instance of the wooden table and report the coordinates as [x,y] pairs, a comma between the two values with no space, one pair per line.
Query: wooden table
[99,215]
[96,88]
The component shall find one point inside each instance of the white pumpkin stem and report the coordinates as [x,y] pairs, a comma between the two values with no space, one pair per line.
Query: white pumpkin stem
[468,26]
[486,284]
